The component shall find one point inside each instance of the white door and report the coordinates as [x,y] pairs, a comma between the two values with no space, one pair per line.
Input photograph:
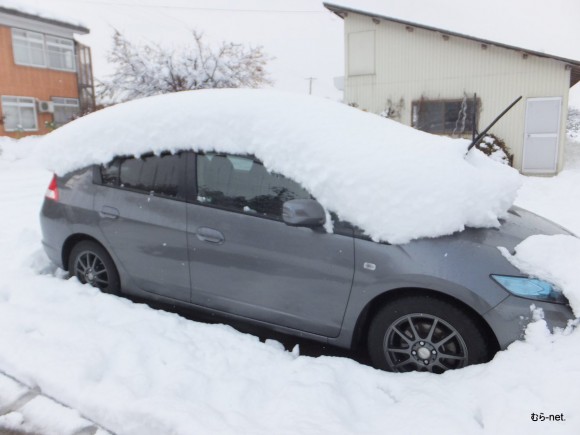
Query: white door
[542,135]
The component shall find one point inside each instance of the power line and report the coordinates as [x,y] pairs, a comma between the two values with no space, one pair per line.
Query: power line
[194,8]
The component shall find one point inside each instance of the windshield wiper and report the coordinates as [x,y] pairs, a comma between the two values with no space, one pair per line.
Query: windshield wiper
[481,135]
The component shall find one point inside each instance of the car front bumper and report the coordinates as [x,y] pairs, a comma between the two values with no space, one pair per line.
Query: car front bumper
[510,318]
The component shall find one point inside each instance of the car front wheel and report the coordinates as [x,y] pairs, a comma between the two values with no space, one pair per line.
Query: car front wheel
[422,333]
[93,265]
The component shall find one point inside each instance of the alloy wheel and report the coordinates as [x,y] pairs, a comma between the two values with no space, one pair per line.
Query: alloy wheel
[90,269]
[423,342]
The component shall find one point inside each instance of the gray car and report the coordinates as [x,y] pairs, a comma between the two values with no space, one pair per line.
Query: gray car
[221,233]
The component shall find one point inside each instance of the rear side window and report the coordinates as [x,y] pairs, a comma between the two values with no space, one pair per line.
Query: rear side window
[169,174]
[138,174]
[159,175]
[110,173]
[243,184]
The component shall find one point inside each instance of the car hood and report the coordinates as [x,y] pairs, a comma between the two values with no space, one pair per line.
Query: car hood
[516,227]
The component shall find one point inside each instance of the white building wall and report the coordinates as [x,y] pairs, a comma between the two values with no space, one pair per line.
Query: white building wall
[424,64]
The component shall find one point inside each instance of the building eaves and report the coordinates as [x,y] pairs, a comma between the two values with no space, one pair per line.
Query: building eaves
[574,65]
[75,28]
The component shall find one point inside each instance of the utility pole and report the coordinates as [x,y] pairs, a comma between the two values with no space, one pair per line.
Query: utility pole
[310,79]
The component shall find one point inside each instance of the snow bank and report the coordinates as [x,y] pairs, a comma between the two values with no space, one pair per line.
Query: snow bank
[554,197]
[572,153]
[554,259]
[16,149]
[393,181]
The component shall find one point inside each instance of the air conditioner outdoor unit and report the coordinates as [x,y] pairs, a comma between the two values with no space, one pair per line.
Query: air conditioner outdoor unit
[46,107]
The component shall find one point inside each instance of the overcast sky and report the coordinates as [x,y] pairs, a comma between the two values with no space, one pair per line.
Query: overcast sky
[305,39]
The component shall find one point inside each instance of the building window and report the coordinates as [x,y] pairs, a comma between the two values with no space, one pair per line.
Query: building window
[361,53]
[19,114]
[65,110]
[60,53]
[454,117]
[36,49]
[28,48]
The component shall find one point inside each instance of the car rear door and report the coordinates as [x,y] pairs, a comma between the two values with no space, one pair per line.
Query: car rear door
[143,218]
[244,260]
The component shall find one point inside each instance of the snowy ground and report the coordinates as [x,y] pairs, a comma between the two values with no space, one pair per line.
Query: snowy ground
[136,370]
[557,198]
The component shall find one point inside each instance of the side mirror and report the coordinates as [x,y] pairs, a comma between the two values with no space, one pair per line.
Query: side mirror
[303,213]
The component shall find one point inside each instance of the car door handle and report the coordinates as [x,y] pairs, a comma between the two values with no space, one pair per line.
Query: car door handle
[210,235]
[109,212]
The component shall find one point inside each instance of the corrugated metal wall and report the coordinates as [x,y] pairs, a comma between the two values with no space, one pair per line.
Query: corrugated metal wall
[411,64]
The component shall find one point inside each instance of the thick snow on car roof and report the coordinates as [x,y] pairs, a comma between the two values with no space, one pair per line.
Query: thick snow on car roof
[394,182]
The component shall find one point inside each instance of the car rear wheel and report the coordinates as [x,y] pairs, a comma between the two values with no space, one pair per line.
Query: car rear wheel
[422,333]
[93,265]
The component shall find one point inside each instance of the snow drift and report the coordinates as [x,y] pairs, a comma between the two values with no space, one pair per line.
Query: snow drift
[395,182]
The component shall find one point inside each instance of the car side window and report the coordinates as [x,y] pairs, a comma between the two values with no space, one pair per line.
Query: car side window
[160,175]
[138,174]
[169,175]
[242,183]
[110,173]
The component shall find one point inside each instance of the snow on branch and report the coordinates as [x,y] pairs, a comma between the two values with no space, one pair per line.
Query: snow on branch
[150,69]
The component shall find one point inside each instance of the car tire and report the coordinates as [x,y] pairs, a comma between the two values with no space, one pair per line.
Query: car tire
[423,333]
[93,265]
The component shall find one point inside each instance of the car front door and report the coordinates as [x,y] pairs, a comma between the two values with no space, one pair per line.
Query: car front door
[143,218]
[245,260]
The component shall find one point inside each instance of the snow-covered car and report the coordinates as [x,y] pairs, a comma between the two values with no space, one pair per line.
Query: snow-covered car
[305,216]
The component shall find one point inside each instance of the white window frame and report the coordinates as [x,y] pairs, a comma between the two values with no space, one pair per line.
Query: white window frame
[62,46]
[50,44]
[28,38]
[65,102]
[27,102]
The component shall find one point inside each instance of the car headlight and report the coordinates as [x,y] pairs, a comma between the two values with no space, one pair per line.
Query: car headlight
[530,288]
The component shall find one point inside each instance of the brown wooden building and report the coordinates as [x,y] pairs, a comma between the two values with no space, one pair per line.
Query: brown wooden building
[45,75]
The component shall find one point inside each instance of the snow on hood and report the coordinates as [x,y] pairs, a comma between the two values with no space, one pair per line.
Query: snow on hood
[393,181]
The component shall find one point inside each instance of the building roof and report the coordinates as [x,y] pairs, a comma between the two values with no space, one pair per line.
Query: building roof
[342,11]
[74,27]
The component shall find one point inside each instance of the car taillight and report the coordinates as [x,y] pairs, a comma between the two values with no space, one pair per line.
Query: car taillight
[52,191]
